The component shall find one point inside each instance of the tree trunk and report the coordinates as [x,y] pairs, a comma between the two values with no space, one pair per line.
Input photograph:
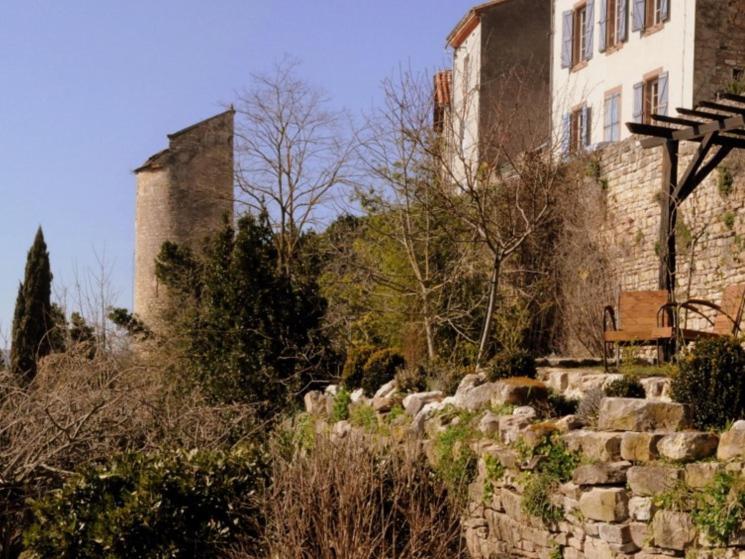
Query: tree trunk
[486,328]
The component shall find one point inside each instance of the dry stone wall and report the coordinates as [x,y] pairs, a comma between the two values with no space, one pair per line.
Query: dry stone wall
[711,223]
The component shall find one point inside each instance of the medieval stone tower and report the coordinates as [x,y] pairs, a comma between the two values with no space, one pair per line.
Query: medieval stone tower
[183,194]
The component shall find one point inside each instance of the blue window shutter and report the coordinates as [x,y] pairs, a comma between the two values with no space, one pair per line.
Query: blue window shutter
[638,15]
[622,17]
[662,92]
[589,29]
[586,128]
[616,117]
[566,39]
[638,101]
[566,123]
[602,24]
[665,9]
[608,120]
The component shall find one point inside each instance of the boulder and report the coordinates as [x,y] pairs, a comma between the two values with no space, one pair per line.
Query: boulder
[389,388]
[639,532]
[386,397]
[614,533]
[634,414]
[477,397]
[605,504]
[510,427]
[341,430]
[569,423]
[673,530]
[489,424]
[413,403]
[640,447]
[601,473]
[657,388]
[688,446]
[537,432]
[641,508]
[519,391]
[700,474]
[470,381]
[357,396]
[525,411]
[332,389]
[315,402]
[731,445]
[648,481]
[595,446]
[738,425]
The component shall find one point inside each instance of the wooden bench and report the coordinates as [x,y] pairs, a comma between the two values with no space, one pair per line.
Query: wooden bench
[636,323]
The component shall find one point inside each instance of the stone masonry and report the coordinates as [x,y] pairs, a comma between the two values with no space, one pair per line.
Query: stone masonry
[183,195]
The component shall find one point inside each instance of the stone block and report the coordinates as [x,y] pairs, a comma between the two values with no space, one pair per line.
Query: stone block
[633,414]
[700,474]
[594,445]
[688,446]
[614,533]
[605,504]
[640,447]
[641,509]
[640,534]
[601,473]
[673,530]
[315,402]
[731,445]
[489,424]
[510,427]
[477,397]
[647,481]
[519,391]
[657,388]
[413,403]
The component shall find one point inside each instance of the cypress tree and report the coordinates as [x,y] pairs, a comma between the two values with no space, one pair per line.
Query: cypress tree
[32,317]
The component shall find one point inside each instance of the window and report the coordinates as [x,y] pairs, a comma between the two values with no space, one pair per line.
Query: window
[613,18]
[650,98]
[612,120]
[576,133]
[577,33]
[650,14]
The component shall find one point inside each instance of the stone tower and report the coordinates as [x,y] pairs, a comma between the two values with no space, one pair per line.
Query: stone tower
[183,194]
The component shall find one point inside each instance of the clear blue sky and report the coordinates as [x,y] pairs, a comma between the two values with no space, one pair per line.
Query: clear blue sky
[90,88]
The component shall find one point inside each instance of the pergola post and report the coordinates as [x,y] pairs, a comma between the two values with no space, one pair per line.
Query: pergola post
[669,212]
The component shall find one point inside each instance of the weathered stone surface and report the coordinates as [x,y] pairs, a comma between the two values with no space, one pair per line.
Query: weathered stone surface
[731,445]
[688,446]
[332,389]
[537,432]
[386,397]
[510,427]
[640,447]
[595,446]
[413,403]
[601,473]
[656,388]
[641,508]
[387,389]
[633,414]
[614,533]
[469,381]
[489,424]
[673,530]
[476,397]
[640,533]
[605,504]
[525,411]
[519,391]
[568,423]
[357,396]
[315,402]
[700,474]
[341,430]
[738,425]
[647,481]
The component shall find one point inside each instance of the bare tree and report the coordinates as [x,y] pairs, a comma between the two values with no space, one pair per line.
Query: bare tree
[291,154]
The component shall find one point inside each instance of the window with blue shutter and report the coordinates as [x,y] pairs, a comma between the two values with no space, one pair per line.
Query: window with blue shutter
[589,29]
[566,39]
[622,16]
[664,10]
[612,117]
[662,89]
[638,15]
[603,27]
[638,102]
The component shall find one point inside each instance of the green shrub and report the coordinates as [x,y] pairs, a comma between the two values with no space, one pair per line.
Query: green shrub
[447,377]
[364,416]
[455,461]
[536,499]
[494,471]
[507,364]
[163,505]
[558,405]
[353,371]
[712,380]
[340,409]
[720,508]
[411,379]
[380,368]
[626,387]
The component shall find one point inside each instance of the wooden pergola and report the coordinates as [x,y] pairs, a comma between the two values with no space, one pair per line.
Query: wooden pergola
[718,127]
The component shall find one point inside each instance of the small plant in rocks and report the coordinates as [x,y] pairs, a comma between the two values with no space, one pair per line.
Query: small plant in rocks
[626,387]
[589,406]
[506,364]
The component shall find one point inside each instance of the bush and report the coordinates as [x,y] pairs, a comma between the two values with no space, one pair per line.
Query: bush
[178,504]
[380,368]
[589,406]
[447,378]
[712,380]
[507,364]
[455,461]
[340,409]
[625,387]
[411,380]
[353,371]
[352,498]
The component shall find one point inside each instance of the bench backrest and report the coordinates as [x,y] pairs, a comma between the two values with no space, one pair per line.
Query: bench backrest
[637,310]
[732,301]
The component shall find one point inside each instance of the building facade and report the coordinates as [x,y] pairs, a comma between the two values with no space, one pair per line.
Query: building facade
[615,61]
[184,194]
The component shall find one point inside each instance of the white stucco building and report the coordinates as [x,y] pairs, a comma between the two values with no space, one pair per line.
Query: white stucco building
[615,61]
